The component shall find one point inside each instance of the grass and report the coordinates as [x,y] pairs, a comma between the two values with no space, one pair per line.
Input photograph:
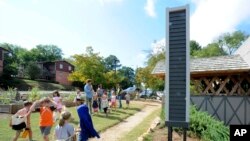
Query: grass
[101,122]
[25,84]
[141,128]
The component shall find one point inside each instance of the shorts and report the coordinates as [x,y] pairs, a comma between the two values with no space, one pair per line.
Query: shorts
[105,109]
[45,130]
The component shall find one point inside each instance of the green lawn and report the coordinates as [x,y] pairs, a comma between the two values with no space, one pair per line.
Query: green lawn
[100,121]
[141,128]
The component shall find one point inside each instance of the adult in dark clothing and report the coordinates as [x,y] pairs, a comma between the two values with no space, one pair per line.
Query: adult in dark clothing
[86,125]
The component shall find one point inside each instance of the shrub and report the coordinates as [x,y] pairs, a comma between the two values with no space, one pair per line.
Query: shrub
[7,96]
[204,126]
[207,127]
[34,94]
[33,71]
[69,97]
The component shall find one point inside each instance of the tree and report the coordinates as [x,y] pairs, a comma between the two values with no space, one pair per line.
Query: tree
[10,63]
[210,50]
[111,79]
[33,71]
[144,76]
[46,53]
[88,66]
[194,46]
[109,63]
[232,41]
[129,77]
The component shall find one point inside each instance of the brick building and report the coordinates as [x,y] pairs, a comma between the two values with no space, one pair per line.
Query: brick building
[57,71]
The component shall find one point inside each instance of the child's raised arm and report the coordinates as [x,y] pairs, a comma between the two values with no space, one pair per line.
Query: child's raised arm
[52,101]
[32,107]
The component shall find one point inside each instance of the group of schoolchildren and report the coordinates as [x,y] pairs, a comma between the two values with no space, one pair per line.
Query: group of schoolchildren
[64,131]
[106,100]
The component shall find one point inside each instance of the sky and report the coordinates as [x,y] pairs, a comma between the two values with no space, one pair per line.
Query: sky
[127,29]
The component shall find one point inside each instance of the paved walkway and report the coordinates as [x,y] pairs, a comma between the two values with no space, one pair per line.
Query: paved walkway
[116,132]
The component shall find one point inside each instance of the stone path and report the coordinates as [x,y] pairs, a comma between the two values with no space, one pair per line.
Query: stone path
[116,132]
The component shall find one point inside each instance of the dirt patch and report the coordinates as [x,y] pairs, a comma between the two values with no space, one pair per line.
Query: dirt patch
[161,134]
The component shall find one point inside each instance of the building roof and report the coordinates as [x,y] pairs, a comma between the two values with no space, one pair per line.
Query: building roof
[233,63]
[244,51]
[4,49]
[54,62]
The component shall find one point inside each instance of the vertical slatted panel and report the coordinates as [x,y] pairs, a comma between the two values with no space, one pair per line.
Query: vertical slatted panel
[177,65]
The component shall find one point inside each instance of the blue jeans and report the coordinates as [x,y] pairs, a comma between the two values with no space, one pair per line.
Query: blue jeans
[120,101]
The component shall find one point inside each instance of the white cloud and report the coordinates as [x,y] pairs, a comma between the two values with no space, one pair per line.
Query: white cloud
[158,46]
[212,18]
[150,8]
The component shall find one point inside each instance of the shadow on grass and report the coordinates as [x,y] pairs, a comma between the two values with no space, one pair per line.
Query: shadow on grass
[110,117]
[151,104]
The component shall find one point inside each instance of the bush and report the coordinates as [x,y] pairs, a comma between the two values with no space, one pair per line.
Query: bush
[34,94]
[7,96]
[33,71]
[206,127]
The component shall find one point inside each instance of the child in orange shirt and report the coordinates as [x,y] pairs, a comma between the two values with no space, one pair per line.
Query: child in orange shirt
[46,117]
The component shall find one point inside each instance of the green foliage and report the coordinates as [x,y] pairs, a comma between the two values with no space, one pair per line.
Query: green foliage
[33,71]
[206,127]
[112,79]
[232,41]
[34,94]
[210,50]
[143,75]
[128,75]
[88,66]
[69,97]
[194,46]
[7,96]
[111,63]
[9,64]
[46,53]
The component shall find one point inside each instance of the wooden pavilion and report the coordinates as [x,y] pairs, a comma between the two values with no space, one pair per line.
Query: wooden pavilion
[223,75]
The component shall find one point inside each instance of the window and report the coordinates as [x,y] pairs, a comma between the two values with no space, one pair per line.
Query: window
[61,66]
[70,68]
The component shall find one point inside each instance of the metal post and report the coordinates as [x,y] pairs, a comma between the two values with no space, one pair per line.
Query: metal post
[184,134]
[170,131]
[115,75]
